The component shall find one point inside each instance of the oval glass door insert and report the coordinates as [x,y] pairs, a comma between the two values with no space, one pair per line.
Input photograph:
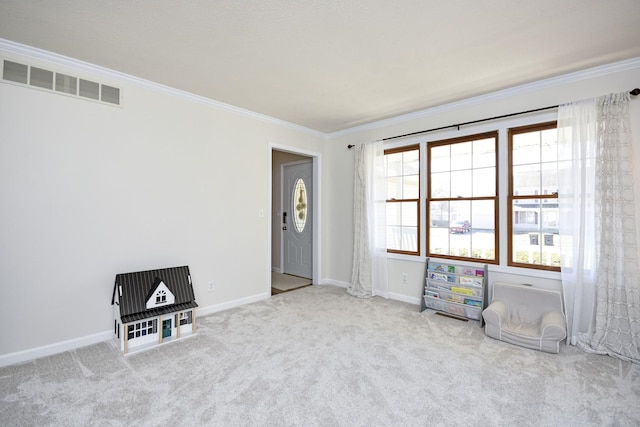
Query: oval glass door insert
[299,205]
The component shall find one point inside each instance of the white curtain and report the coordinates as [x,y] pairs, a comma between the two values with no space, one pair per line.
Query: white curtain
[576,200]
[369,271]
[599,251]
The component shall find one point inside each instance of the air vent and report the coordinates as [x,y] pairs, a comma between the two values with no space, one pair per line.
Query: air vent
[66,84]
[58,82]
[89,89]
[110,94]
[41,78]
[15,72]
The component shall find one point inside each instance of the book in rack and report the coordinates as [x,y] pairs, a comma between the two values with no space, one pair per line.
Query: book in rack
[456,290]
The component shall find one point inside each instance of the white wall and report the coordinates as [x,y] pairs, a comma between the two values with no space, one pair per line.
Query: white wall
[90,190]
[338,223]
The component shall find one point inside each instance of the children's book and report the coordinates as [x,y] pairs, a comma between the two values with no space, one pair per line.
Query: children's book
[472,302]
[468,271]
[470,281]
[459,290]
[438,276]
[432,294]
[442,267]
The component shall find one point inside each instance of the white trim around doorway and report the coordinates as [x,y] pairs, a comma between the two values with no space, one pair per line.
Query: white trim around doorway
[316,161]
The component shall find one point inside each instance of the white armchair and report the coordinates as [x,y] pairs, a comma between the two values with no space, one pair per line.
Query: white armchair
[526,316]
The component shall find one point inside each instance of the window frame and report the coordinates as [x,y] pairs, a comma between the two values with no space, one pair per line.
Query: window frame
[511,131]
[161,297]
[401,149]
[141,329]
[503,214]
[185,318]
[496,198]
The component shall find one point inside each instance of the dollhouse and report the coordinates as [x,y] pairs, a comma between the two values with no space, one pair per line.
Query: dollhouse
[153,307]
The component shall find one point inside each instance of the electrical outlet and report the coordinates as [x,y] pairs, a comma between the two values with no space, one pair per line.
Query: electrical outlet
[404,278]
[211,286]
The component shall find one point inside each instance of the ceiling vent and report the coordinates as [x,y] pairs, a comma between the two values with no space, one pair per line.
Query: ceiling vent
[60,83]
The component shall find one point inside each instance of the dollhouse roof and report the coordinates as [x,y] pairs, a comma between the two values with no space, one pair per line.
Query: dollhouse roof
[132,291]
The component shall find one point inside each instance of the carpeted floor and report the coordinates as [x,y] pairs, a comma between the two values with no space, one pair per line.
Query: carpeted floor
[319,357]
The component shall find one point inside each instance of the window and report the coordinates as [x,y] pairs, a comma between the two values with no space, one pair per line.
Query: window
[299,208]
[402,172]
[469,186]
[141,329]
[185,318]
[463,198]
[533,197]
[161,297]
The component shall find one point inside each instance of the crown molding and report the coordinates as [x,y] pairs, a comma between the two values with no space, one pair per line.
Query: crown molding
[614,67]
[75,64]
[86,67]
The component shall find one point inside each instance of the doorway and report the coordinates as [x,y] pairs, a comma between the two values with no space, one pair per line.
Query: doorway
[297,218]
[294,244]
[166,328]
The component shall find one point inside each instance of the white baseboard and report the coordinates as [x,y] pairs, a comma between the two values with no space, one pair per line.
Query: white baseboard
[404,298]
[60,347]
[334,283]
[48,350]
[203,311]
[391,295]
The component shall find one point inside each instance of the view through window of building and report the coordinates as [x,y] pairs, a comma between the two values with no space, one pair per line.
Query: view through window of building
[463,198]
[402,171]
[533,197]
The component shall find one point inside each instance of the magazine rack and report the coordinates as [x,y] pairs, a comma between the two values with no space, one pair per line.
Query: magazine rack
[455,290]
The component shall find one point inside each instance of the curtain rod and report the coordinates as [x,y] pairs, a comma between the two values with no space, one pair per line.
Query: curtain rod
[634,92]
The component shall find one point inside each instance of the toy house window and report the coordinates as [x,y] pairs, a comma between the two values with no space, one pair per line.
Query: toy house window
[141,329]
[131,331]
[161,297]
[185,318]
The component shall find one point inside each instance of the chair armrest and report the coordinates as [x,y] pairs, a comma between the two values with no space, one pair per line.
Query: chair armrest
[495,313]
[553,325]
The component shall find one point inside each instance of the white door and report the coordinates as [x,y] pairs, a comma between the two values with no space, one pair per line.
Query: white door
[297,218]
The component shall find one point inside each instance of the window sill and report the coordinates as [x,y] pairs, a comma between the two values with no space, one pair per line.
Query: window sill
[493,268]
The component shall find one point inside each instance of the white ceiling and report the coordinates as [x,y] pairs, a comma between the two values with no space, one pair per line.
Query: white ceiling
[329,65]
